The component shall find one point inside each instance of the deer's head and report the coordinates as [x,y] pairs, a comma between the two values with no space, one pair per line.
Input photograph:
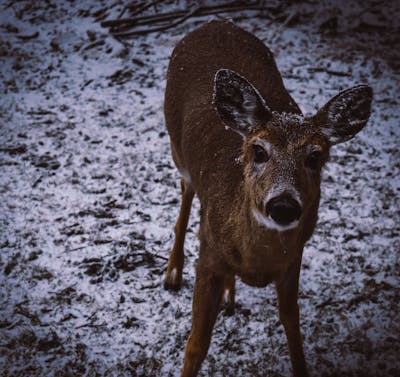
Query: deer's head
[283,153]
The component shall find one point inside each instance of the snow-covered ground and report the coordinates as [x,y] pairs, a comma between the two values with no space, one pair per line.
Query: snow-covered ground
[89,198]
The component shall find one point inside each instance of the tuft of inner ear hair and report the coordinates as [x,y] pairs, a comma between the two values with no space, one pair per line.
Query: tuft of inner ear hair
[346,114]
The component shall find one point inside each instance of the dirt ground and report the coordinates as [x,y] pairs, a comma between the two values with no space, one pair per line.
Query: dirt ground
[90,195]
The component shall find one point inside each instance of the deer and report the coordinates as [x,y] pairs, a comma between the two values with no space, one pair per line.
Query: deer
[243,146]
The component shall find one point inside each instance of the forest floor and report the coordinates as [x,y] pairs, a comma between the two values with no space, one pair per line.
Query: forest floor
[89,196]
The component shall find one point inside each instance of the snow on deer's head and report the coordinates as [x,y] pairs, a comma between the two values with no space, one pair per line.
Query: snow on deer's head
[283,153]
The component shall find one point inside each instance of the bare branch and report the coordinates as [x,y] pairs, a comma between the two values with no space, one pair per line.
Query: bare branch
[128,27]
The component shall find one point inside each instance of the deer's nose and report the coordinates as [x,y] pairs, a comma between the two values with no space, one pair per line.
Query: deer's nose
[284,210]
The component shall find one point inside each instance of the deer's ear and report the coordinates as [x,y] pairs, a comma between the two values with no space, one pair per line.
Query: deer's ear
[345,114]
[238,104]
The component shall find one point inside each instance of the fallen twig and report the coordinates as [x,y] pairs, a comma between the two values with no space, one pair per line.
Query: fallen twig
[203,11]
[104,324]
[288,19]
[330,71]
[100,42]
[141,9]
[122,28]
[77,248]
[157,256]
[147,6]
[27,37]
[160,28]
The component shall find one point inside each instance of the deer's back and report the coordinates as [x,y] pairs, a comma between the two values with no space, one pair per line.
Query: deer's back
[200,143]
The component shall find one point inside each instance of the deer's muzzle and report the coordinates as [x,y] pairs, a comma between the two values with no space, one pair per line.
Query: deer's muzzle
[284,210]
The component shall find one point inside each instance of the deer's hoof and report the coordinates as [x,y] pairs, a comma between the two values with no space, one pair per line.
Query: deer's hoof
[228,303]
[173,280]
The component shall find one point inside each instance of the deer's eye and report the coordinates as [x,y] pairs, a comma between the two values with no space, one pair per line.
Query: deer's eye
[313,160]
[260,154]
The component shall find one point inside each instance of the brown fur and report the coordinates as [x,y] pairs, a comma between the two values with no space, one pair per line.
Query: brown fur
[222,174]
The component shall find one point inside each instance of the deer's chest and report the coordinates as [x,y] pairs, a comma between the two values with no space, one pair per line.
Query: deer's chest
[261,265]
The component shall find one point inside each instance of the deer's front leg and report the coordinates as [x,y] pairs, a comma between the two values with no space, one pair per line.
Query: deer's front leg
[206,304]
[287,289]
[173,278]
